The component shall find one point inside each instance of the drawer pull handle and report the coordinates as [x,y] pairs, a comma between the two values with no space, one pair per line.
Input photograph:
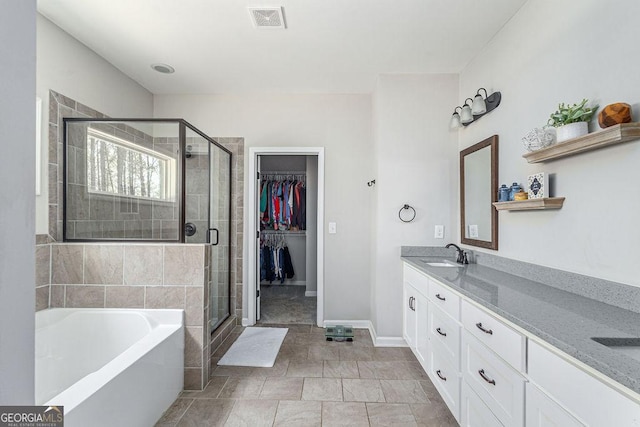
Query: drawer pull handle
[444,334]
[440,298]
[484,377]
[411,303]
[486,331]
[440,375]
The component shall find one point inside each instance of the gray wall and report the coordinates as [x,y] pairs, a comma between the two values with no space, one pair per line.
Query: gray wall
[17,215]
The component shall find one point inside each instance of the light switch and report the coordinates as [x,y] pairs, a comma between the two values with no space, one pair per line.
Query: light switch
[439,232]
[473,231]
[332,228]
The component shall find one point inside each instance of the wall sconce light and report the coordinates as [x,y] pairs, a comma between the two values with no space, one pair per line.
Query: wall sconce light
[455,119]
[479,106]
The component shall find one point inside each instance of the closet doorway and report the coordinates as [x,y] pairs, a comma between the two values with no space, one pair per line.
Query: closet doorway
[285,258]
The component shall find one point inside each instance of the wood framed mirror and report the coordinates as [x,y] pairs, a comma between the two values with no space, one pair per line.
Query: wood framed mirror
[478,190]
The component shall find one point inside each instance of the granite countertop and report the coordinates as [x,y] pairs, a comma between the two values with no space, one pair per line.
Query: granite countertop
[563,319]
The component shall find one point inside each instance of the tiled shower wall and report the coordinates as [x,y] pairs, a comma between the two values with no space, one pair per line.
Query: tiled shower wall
[92,215]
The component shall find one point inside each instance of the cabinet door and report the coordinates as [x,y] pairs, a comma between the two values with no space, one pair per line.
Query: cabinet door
[422,330]
[474,413]
[499,385]
[543,412]
[409,315]
[445,332]
[446,379]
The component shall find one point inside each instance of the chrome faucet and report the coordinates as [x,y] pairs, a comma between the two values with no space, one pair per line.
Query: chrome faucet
[462,255]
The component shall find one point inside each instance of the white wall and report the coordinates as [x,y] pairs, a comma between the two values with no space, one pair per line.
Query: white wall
[17,212]
[416,158]
[341,124]
[68,67]
[553,52]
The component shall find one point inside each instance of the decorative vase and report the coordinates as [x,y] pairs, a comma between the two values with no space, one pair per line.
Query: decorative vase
[572,130]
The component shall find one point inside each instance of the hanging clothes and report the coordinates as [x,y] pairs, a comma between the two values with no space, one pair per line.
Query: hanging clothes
[275,258]
[282,204]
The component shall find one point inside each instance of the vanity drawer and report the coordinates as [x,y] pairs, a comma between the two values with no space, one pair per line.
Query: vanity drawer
[504,341]
[499,385]
[416,279]
[587,398]
[445,299]
[474,412]
[447,380]
[444,332]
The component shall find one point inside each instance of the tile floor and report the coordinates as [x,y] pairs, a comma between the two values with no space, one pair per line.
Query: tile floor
[286,304]
[316,383]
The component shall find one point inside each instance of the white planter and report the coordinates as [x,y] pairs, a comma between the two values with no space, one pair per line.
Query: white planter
[572,130]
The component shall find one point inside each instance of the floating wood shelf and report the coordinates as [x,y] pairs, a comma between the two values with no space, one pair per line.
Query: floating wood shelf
[612,135]
[530,204]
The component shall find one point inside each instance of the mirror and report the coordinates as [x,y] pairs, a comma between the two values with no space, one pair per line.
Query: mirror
[478,190]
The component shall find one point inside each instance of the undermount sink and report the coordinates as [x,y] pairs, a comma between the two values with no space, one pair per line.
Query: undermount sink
[627,346]
[441,263]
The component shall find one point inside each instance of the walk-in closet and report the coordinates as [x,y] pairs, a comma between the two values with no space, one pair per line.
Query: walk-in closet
[287,211]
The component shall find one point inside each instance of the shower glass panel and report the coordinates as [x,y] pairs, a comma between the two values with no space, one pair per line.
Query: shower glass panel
[122,181]
[220,220]
[153,180]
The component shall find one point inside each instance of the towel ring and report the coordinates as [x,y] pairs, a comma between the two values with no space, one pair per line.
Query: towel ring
[406,207]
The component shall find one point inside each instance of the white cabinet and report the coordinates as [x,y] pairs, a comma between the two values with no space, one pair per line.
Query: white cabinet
[542,411]
[495,334]
[474,412]
[446,378]
[422,334]
[444,332]
[409,325]
[415,314]
[589,399]
[486,369]
[497,383]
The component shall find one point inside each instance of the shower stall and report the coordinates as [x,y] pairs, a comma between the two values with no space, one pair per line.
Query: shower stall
[153,181]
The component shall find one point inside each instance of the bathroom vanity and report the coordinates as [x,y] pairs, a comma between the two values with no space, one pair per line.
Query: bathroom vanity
[503,349]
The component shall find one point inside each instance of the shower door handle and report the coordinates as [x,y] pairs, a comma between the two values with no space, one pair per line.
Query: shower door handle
[217,236]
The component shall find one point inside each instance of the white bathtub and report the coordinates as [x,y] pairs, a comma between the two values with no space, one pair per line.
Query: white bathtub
[109,367]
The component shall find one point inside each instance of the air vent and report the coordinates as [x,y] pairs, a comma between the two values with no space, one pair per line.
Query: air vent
[267,17]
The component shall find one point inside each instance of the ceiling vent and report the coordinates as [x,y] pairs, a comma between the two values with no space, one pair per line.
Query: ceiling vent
[267,17]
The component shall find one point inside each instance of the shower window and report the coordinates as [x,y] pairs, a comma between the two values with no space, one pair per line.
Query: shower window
[115,166]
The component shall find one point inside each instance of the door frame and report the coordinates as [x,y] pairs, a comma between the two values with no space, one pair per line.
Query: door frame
[249,287]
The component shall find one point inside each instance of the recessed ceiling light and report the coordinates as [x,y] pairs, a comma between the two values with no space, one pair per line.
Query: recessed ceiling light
[163,68]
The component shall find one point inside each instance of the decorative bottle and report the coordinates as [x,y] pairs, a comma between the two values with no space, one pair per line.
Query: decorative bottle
[515,187]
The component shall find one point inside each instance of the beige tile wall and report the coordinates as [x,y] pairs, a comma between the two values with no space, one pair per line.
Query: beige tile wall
[113,275]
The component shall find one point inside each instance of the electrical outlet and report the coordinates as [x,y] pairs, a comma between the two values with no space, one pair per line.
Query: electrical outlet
[332,228]
[473,231]
[439,232]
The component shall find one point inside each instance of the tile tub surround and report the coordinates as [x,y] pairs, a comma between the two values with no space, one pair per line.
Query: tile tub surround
[127,275]
[563,319]
[351,384]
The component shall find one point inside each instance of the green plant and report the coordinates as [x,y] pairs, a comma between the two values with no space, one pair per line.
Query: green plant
[571,114]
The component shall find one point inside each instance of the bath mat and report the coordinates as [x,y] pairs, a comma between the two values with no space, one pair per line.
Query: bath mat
[255,347]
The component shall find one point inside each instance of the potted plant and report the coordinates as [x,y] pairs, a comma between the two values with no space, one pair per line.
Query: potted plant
[570,121]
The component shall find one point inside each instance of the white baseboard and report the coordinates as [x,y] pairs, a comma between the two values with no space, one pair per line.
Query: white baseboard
[385,341]
[311,293]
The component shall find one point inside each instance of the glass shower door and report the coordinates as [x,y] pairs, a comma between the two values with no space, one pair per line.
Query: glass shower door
[208,215]
[220,235]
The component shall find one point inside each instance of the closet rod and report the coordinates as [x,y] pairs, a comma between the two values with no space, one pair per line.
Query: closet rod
[283,173]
